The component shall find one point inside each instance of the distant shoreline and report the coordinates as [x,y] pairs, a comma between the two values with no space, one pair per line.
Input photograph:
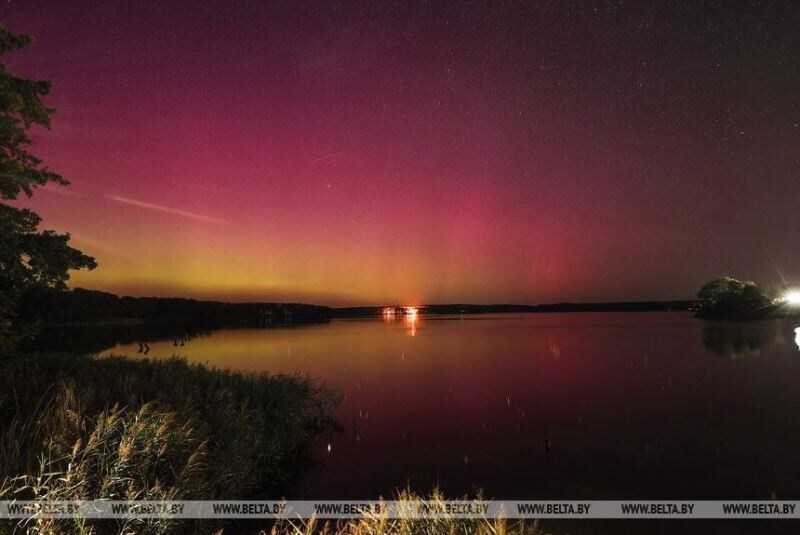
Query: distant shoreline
[622,306]
[82,307]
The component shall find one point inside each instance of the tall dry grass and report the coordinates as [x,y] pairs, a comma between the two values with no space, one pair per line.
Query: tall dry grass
[76,428]
[86,428]
[380,524]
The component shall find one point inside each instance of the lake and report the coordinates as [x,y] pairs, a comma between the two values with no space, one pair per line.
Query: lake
[564,405]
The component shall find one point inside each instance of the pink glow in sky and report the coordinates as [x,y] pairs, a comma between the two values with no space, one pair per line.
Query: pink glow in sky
[309,151]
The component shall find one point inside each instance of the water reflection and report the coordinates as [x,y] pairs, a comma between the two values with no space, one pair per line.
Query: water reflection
[98,338]
[538,406]
[411,319]
[742,340]
[95,338]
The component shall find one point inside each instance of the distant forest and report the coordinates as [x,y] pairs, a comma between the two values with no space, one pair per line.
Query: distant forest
[79,305]
[82,306]
[623,306]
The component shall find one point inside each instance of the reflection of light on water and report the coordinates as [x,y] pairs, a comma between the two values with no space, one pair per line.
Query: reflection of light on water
[389,314]
[797,337]
[411,319]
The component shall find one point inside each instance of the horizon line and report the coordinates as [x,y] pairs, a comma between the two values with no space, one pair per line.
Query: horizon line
[423,305]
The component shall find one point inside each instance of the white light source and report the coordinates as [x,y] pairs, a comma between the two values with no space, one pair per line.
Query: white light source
[792,297]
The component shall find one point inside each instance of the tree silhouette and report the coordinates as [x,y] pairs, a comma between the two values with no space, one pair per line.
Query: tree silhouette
[29,257]
[728,297]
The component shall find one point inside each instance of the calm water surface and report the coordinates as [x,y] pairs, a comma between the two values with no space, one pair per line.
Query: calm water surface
[631,405]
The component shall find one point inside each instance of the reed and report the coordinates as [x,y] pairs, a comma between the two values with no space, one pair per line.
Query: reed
[86,428]
[77,428]
[380,524]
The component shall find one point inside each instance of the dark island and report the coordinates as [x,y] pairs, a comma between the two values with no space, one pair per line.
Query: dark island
[727,298]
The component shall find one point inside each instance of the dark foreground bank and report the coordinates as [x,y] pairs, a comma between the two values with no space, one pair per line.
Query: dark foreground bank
[81,427]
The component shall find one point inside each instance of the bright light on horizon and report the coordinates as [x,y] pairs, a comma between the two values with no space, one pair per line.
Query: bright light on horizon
[792,297]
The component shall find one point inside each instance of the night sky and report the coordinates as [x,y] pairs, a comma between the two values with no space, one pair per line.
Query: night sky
[419,152]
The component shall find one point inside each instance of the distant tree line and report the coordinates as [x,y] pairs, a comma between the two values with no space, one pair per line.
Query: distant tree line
[79,305]
[464,308]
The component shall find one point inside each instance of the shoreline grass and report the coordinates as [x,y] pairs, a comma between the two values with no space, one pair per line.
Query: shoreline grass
[380,524]
[82,427]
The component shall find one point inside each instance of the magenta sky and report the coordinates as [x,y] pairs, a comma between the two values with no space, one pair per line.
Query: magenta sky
[398,152]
